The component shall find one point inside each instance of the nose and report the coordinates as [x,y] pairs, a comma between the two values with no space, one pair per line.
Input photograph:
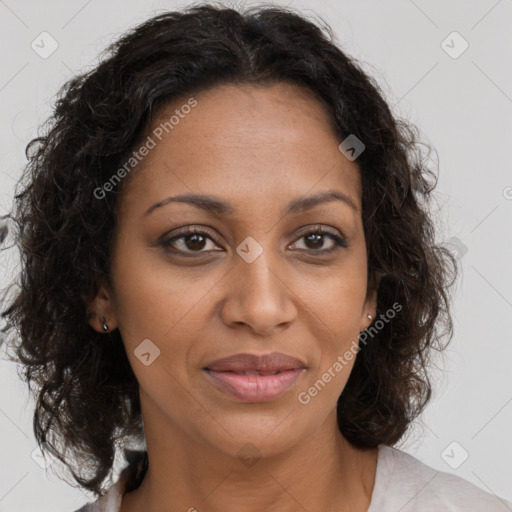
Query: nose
[258,298]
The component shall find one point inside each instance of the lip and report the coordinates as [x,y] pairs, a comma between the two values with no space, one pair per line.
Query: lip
[271,362]
[255,378]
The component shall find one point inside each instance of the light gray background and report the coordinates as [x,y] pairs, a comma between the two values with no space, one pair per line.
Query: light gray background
[463,106]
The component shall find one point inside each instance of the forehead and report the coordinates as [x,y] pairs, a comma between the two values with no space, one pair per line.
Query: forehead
[244,143]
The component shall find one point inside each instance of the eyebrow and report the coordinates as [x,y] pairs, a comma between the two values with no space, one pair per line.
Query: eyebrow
[222,208]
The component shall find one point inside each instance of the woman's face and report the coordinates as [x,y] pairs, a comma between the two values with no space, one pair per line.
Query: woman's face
[258,281]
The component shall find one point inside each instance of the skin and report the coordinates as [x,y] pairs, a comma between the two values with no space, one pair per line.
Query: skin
[256,147]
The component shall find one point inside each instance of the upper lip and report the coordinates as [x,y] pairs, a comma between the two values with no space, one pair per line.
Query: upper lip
[271,362]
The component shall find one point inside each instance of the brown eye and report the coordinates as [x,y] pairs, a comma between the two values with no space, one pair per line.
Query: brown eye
[314,240]
[189,242]
[194,242]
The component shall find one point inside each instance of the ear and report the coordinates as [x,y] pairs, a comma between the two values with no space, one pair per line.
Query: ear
[370,303]
[102,307]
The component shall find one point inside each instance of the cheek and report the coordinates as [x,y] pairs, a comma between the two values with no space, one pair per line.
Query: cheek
[152,298]
[160,313]
[336,333]
[336,300]
[335,308]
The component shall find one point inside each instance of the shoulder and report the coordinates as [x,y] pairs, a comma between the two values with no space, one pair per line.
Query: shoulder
[109,502]
[404,483]
[129,478]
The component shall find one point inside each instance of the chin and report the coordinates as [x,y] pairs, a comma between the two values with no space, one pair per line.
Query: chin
[255,435]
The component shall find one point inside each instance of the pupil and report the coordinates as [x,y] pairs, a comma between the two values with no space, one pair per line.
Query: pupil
[194,238]
[316,239]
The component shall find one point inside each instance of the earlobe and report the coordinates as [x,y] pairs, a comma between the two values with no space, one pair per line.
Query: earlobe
[367,321]
[370,304]
[101,314]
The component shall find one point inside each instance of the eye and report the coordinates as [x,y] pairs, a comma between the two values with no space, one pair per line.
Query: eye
[191,240]
[314,240]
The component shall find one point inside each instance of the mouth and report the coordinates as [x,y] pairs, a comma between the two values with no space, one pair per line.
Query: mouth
[255,378]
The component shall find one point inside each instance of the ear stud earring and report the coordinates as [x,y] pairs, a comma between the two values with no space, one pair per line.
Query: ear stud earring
[105,326]
[370,317]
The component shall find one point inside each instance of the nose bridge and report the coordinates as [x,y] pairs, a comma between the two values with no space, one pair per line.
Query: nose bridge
[259,295]
[257,267]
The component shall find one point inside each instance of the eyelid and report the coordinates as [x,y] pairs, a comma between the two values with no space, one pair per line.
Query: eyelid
[303,230]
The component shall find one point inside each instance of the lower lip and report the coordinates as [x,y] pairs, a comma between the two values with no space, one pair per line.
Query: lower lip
[255,388]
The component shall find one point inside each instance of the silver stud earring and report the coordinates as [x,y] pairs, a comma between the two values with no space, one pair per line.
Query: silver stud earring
[105,326]
[370,317]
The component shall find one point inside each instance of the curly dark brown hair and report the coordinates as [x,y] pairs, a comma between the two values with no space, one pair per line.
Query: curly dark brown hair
[87,394]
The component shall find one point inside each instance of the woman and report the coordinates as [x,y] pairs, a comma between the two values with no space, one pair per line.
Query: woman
[227,257]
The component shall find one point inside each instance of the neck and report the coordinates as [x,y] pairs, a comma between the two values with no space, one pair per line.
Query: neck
[322,470]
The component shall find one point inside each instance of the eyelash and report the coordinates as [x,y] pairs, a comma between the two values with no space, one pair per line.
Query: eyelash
[339,242]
